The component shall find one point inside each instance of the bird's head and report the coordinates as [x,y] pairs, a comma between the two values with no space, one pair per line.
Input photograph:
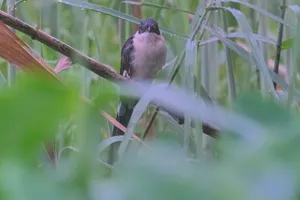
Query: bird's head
[149,25]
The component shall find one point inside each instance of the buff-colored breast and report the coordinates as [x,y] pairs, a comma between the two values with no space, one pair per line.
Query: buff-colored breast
[149,55]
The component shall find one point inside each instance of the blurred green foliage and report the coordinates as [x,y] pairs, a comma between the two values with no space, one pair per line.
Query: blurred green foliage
[32,110]
[37,110]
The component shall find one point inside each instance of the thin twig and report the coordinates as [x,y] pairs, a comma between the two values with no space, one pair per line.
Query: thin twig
[279,40]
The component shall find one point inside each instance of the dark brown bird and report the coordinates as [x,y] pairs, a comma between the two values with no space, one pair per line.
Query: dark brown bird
[142,56]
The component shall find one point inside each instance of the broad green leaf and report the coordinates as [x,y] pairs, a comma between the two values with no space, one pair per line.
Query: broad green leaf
[266,111]
[31,112]
[20,182]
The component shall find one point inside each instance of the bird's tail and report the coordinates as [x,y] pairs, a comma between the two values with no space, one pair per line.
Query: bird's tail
[125,109]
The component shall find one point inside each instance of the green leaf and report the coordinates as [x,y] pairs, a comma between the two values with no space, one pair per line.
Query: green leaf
[287,44]
[266,111]
[20,182]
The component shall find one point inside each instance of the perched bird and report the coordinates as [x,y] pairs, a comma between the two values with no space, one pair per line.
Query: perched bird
[142,56]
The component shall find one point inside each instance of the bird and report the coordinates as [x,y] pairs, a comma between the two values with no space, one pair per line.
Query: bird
[143,55]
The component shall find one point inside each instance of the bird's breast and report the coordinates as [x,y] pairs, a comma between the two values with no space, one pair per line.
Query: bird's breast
[149,55]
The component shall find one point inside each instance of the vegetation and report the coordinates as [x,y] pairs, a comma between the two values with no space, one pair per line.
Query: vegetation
[232,64]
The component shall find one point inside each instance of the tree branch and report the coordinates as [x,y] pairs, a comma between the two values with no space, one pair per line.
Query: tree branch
[76,56]
[52,42]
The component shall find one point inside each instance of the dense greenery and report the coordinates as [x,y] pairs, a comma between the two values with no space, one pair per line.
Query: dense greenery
[256,155]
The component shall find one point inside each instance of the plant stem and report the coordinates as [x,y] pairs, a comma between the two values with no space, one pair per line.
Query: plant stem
[229,64]
[279,39]
[11,76]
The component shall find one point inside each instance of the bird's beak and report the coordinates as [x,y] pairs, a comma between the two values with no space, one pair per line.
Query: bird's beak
[148,29]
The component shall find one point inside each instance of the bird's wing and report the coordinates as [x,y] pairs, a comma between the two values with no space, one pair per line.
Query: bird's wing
[126,69]
[125,107]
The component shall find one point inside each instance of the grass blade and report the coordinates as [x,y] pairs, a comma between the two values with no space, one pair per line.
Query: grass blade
[156,6]
[11,76]
[263,31]
[256,52]
[261,11]
[189,71]
[295,51]
[245,55]
[115,13]
[109,141]
[241,35]
[229,64]
[1,2]
[138,111]
[180,101]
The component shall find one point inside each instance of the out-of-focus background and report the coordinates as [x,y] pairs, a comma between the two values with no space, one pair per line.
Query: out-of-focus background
[229,54]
